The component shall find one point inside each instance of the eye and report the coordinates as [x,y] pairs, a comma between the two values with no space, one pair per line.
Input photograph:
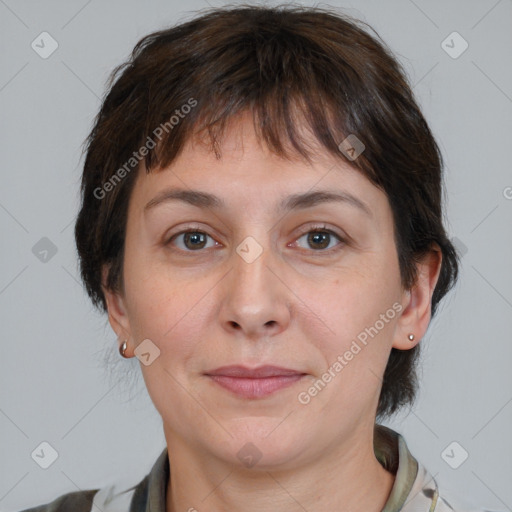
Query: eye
[193,240]
[320,239]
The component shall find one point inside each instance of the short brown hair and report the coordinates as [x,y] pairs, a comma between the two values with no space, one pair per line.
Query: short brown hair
[275,62]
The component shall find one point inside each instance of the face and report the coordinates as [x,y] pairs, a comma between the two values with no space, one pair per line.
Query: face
[265,276]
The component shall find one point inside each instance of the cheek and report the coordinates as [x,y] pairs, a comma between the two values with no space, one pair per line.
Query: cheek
[355,299]
[163,308]
[358,307]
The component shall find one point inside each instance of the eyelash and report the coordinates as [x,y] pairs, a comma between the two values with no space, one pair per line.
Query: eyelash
[311,229]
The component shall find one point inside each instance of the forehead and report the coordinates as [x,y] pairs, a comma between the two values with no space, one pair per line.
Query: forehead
[249,174]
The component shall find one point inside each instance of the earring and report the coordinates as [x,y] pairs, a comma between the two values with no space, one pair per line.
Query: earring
[411,337]
[122,349]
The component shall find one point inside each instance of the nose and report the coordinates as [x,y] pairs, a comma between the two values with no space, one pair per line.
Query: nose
[255,301]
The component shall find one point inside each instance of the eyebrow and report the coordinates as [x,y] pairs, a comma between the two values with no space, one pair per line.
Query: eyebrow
[293,202]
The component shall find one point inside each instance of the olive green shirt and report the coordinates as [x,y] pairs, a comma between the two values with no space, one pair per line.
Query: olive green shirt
[414,489]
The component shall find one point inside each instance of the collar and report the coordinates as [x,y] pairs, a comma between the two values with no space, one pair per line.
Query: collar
[392,452]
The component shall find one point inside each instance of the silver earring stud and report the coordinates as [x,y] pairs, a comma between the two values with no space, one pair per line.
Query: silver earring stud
[411,337]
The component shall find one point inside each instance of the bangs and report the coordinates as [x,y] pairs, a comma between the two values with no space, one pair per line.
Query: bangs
[289,126]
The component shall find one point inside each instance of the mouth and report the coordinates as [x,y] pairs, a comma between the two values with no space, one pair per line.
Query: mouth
[256,382]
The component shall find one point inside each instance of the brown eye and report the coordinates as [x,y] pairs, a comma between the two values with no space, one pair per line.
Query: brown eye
[320,240]
[190,240]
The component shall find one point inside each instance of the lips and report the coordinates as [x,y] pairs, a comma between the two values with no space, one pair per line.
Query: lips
[254,382]
[254,373]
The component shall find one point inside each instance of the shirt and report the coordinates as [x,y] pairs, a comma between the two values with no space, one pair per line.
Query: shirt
[414,489]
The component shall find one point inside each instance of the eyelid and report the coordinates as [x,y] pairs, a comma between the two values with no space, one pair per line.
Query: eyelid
[319,227]
[322,227]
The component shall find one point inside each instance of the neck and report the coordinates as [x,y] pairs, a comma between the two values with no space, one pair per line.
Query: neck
[348,477]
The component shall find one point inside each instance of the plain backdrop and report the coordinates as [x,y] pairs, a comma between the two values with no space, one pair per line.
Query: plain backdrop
[55,384]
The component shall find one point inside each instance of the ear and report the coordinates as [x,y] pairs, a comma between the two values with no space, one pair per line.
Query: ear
[416,314]
[116,308]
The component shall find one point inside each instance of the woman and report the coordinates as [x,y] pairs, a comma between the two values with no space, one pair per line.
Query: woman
[261,219]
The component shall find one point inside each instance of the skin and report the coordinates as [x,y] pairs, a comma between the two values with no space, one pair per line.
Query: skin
[298,305]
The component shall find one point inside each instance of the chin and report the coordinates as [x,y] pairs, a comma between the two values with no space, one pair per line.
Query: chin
[262,443]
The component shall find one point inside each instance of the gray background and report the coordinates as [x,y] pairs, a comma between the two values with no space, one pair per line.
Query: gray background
[54,383]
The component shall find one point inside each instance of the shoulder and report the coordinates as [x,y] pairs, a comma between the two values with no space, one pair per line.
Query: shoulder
[428,496]
[109,498]
[78,501]
[455,504]
[423,493]
[122,493]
